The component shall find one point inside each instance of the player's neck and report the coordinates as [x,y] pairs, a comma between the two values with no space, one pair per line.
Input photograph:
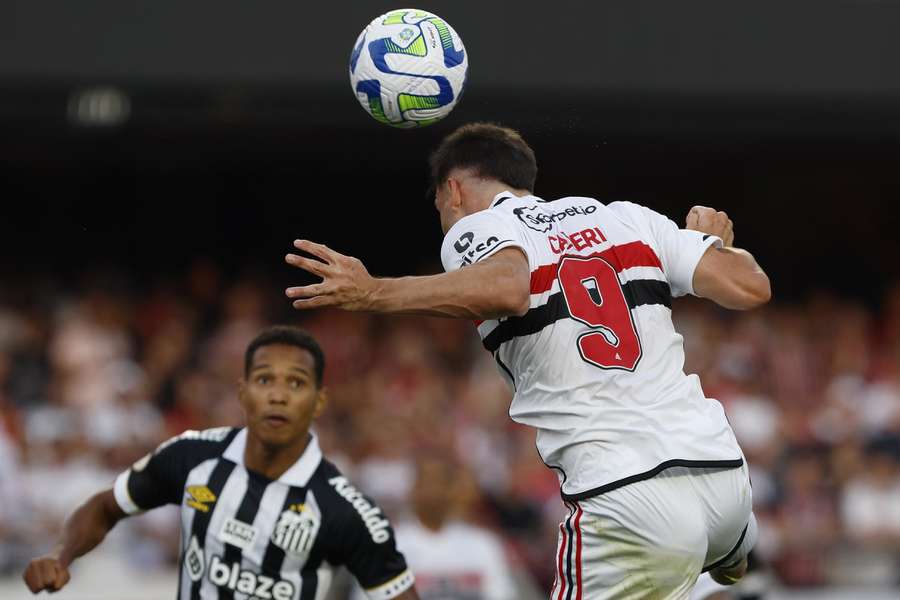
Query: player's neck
[273,461]
[487,190]
[431,522]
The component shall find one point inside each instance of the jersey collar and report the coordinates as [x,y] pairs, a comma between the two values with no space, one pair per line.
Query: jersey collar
[507,195]
[297,475]
[504,195]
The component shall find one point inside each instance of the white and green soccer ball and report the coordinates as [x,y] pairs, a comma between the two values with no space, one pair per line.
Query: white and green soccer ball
[408,68]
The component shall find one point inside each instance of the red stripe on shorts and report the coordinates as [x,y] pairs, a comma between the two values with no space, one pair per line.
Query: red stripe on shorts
[561,576]
[578,552]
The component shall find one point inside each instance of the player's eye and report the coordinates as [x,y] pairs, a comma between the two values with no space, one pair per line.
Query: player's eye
[297,384]
[263,379]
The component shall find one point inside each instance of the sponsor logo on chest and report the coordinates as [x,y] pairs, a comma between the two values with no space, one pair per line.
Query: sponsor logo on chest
[233,577]
[237,533]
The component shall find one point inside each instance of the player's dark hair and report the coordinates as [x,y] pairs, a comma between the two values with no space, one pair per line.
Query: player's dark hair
[493,151]
[288,336]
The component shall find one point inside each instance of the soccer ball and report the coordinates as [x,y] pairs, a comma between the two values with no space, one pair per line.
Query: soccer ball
[408,68]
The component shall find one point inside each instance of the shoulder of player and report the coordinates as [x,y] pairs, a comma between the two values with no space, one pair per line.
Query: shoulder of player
[472,533]
[330,482]
[344,499]
[206,442]
[624,206]
[515,206]
[483,222]
[636,217]
[632,211]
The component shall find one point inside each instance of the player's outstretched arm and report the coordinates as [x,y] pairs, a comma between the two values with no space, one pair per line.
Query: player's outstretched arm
[728,276]
[82,531]
[498,286]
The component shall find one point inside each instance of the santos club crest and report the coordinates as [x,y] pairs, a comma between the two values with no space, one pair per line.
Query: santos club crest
[296,530]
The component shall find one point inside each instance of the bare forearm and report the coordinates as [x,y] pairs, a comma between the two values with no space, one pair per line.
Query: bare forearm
[86,527]
[497,286]
[466,293]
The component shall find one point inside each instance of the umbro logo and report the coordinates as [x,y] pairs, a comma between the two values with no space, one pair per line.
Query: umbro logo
[199,497]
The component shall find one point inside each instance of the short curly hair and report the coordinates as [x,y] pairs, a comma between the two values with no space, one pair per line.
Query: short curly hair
[287,336]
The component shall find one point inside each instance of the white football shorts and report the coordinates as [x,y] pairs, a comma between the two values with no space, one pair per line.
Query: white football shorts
[653,538]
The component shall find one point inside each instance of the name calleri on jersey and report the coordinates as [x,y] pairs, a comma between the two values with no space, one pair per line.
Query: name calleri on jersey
[273,540]
[596,364]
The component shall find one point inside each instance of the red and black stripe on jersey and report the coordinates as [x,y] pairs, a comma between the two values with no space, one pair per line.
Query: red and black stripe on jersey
[637,292]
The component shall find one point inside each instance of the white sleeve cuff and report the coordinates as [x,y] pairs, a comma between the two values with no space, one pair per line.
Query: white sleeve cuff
[692,261]
[501,245]
[392,588]
[123,498]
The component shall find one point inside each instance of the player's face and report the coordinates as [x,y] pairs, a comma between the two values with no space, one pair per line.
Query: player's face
[433,495]
[280,396]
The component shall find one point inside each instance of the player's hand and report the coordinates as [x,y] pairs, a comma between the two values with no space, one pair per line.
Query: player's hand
[46,573]
[712,221]
[345,281]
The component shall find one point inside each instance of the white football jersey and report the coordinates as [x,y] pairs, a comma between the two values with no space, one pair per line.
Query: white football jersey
[596,364]
[459,562]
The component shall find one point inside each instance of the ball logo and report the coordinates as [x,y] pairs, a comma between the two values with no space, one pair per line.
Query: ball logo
[295,532]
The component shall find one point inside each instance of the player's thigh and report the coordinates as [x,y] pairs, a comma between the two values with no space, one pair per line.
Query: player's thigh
[645,540]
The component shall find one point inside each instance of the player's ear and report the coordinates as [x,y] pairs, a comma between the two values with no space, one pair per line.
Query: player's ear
[242,392]
[454,187]
[321,402]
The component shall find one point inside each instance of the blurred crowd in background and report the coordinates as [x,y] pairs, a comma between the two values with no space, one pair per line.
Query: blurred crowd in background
[93,377]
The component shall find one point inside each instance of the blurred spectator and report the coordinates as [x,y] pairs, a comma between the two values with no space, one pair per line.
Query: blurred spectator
[92,380]
[14,548]
[807,520]
[452,560]
[870,502]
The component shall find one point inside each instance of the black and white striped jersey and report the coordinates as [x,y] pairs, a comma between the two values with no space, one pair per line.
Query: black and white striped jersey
[596,363]
[245,536]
